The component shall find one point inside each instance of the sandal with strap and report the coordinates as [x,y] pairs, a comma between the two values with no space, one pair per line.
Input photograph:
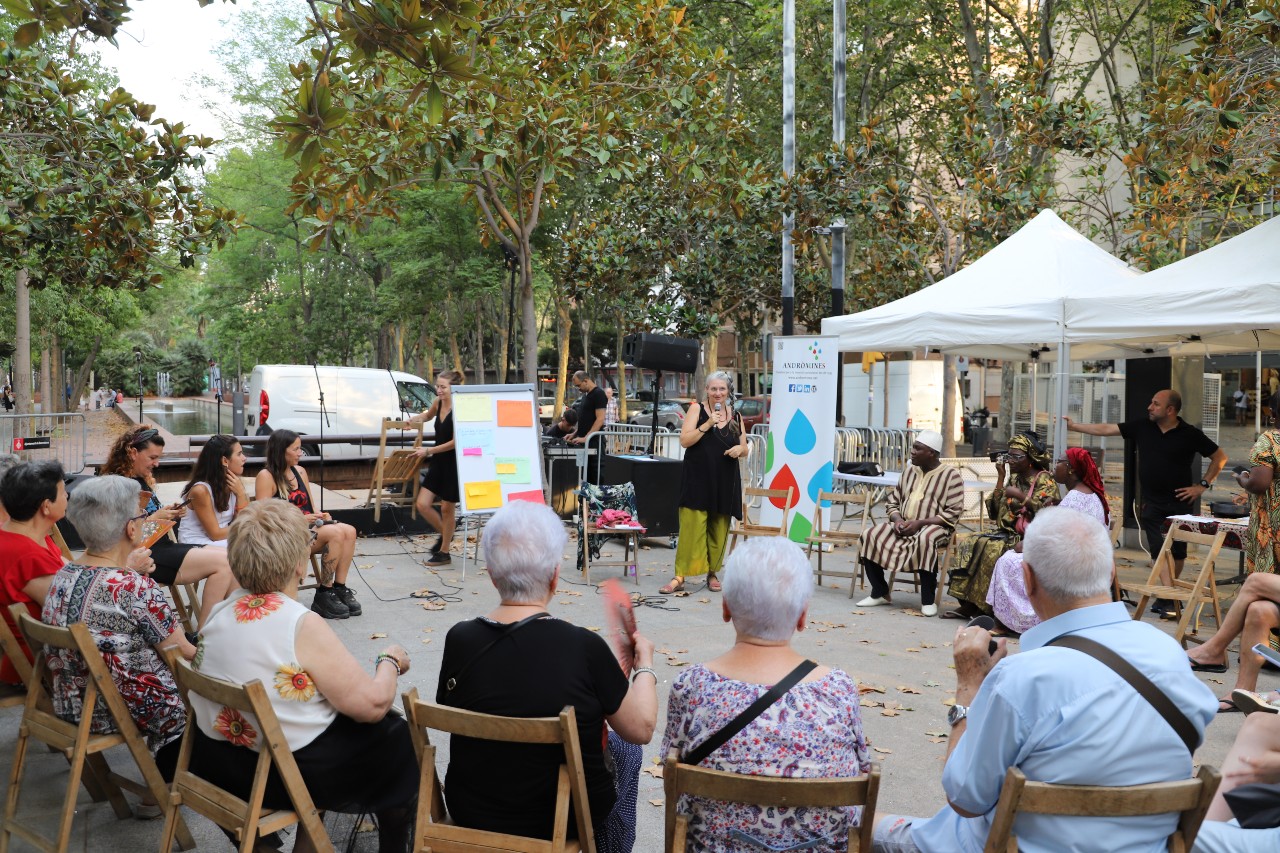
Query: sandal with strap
[713,583]
[675,586]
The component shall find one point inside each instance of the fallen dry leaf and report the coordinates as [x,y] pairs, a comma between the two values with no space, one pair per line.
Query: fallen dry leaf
[655,802]
[904,688]
[937,734]
[868,642]
[704,601]
[870,688]
[932,684]
[426,640]
[654,770]
[433,605]
[928,645]
[366,826]
[377,636]
[937,740]
[682,594]
[859,612]
[910,611]
[949,701]
[365,566]
[595,628]
[889,712]
[869,703]
[882,750]
[568,592]
[674,662]
[917,651]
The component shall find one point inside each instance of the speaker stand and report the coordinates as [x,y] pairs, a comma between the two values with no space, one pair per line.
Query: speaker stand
[653,421]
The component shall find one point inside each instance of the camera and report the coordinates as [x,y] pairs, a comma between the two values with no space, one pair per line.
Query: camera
[1240,469]
[1000,457]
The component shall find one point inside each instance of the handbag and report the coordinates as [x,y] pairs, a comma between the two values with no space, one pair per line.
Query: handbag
[1256,805]
[738,723]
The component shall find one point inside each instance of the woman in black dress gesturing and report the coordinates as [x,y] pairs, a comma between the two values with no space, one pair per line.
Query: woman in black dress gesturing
[441,480]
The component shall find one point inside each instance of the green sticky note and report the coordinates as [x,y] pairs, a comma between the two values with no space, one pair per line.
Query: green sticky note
[513,469]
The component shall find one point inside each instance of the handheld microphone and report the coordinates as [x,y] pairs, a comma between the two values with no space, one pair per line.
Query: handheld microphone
[986,623]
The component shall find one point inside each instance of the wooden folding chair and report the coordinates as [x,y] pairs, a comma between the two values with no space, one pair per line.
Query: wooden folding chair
[246,819]
[11,650]
[395,475]
[81,746]
[678,779]
[748,528]
[1187,595]
[946,551]
[1189,797]
[630,561]
[828,534]
[435,834]
[61,543]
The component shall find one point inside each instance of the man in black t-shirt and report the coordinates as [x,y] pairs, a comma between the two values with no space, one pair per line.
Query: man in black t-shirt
[1167,446]
[590,408]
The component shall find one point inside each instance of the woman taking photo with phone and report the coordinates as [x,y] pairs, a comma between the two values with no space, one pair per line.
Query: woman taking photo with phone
[215,492]
[714,440]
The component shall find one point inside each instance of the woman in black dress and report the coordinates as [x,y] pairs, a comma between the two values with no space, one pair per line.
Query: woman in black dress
[714,440]
[440,482]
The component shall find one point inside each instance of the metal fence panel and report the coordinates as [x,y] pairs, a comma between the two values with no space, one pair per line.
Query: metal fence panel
[61,436]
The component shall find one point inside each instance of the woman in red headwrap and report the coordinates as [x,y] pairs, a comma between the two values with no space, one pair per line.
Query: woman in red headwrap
[1007,594]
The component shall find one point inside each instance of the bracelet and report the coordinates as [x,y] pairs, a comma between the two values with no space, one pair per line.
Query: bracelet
[641,669]
[384,656]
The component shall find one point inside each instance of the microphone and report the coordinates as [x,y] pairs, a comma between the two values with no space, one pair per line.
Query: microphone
[986,623]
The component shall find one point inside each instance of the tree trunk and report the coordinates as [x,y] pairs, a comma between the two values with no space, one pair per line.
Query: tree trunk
[22,354]
[622,376]
[948,406]
[529,313]
[564,325]
[48,400]
[1008,376]
[480,374]
[80,386]
[584,329]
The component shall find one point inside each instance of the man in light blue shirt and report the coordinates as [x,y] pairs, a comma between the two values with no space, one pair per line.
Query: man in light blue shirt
[1058,714]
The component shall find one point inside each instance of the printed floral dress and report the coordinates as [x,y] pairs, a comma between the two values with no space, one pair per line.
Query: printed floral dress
[1264,509]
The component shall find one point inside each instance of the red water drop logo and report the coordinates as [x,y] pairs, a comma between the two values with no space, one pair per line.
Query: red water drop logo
[784,480]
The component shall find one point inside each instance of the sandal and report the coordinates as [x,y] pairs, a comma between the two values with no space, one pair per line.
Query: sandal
[1227,706]
[1207,667]
[713,583]
[676,585]
[954,614]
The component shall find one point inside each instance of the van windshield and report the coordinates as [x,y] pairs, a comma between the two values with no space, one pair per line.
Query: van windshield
[415,396]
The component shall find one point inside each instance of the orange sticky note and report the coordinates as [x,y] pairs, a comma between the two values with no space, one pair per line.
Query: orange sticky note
[486,494]
[515,413]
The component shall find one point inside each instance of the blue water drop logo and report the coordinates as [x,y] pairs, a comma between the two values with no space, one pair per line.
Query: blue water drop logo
[821,482]
[801,436]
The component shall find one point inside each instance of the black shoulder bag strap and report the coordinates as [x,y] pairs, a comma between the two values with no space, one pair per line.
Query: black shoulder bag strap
[741,721]
[1158,700]
[512,628]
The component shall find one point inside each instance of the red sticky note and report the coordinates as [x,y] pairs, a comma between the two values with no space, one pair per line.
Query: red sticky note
[515,413]
[532,496]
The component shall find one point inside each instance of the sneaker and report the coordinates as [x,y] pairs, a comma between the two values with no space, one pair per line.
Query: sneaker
[328,605]
[440,559]
[347,597]
[1250,702]
[929,609]
[872,601]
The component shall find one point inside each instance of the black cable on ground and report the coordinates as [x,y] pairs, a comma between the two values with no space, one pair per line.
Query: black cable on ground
[430,595]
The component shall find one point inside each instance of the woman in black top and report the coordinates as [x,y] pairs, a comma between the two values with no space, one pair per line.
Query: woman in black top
[440,482]
[714,440]
[284,478]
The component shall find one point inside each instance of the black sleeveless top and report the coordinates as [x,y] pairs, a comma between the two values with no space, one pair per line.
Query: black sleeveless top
[709,480]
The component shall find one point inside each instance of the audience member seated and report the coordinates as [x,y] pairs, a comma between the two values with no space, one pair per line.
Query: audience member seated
[1012,507]
[1059,714]
[335,542]
[127,614]
[1254,757]
[923,511]
[814,729]
[510,787]
[563,428]
[354,756]
[1255,611]
[215,491]
[34,498]
[1085,493]
[7,461]
[135,455]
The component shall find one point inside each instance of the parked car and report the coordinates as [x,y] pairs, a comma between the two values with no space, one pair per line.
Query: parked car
[754,410]
[670,414]
[546,409]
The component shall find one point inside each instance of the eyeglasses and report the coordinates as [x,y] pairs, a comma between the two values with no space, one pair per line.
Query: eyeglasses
[1018,457]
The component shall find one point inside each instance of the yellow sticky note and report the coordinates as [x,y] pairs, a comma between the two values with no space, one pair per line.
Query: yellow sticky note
[506,467]
[472,407]
[515,413]
[486,494]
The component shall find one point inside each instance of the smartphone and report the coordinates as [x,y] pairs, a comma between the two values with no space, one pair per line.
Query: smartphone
[1240,469]
[1269,654]
[180,504]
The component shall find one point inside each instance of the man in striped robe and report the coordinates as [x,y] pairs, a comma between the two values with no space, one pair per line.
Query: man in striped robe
[923,511]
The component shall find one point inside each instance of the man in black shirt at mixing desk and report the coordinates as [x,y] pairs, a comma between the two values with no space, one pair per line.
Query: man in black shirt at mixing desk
[1167,446]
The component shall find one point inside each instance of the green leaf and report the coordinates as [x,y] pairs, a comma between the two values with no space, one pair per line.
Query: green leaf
[27,34]
[435,104]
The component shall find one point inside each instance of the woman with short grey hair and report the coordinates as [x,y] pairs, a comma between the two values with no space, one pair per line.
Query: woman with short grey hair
[126,613]
[520,661]
[814,729]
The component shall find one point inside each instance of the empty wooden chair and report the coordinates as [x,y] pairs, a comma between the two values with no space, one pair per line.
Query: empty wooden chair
[395,475]
[748,528]
[435,834]
[1186,594]
[827,533]
[678,779]
[76,741]
[1190,798]
[247,820]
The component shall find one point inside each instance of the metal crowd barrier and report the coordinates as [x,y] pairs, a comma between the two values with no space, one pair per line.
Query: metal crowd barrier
[625,440]
[59,435]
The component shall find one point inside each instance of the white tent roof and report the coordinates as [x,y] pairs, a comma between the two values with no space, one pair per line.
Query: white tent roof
[1224,299]
[1006,304]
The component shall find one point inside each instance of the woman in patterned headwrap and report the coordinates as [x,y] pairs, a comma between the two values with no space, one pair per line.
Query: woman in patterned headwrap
[1012,507]
[1085,494]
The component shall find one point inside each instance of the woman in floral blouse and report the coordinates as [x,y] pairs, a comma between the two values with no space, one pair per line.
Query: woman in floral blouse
[354,756]
[814,730]
[128,617]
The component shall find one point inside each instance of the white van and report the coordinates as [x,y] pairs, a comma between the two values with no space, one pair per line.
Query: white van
[356,399]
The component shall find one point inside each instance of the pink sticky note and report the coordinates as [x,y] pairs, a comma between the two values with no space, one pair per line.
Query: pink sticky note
[470,451]
[533,496]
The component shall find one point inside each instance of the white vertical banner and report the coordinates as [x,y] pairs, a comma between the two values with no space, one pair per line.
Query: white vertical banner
[800,448]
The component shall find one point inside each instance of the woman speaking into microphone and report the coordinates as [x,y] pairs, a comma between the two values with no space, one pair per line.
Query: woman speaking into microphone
[714,440]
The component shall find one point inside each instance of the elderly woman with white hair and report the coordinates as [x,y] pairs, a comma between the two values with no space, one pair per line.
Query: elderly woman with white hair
[127,615]
[520,661]
[813,729]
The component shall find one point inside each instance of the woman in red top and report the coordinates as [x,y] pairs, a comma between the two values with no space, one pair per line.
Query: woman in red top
[35,498]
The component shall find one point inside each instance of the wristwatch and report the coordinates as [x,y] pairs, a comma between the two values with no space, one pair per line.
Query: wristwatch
[956,714]
[1204,484]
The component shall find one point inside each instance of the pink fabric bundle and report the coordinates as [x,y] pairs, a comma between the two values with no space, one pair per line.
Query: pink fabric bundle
[616,518]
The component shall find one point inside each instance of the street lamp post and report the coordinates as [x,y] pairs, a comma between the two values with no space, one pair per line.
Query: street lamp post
[137,355]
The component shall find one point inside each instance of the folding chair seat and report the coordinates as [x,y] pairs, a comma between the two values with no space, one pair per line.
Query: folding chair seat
[436,834]
[630,561]
[1186,595]
[247,820]
[82,747]
[787,792]
[827,533]
[746,528]
[1189,797]
[395,475]
[594,500]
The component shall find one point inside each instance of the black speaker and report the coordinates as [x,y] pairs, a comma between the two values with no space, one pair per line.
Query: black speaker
[660,352]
